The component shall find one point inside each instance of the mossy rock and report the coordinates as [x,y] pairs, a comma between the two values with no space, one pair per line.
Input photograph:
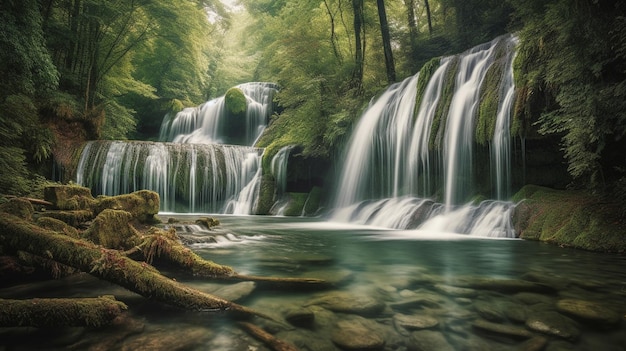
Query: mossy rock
[112,229]
[266,195]
[296,204]
[57,225]
[69,197]
[235,101]
[18,207]
[570,219]
[142,205]
[208,222]
[71,218]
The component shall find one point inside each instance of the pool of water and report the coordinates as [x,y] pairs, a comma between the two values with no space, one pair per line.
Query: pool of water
[391,290]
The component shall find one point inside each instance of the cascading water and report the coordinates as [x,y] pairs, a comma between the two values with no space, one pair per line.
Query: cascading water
[205,124]
[190,169]
[279,165]
[209,178]
[399,156]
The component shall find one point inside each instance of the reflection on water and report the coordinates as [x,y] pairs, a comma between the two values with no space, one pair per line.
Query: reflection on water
[393,290]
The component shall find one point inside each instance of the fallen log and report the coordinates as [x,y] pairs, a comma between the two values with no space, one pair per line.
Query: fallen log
[267,338]
[74,312]
[112,266]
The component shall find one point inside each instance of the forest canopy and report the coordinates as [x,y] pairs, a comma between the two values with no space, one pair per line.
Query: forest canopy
[74,70]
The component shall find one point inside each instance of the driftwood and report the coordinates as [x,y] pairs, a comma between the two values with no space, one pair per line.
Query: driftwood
[267,338]
[112,266]
[74,312]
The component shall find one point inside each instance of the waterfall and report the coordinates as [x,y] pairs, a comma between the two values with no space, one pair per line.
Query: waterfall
[192,168]
[402,157]
[205,124]
[278,166]
[209,178]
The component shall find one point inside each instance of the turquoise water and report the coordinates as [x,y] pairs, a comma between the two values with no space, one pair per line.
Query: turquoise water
[427,291]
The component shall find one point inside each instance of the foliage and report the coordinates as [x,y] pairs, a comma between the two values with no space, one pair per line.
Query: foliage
[573,54]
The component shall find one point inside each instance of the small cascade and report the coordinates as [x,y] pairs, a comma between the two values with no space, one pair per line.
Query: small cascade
[208,178]
[401,156]
[279,164]
[207,123]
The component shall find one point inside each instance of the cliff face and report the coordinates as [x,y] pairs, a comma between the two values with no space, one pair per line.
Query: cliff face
[570,219]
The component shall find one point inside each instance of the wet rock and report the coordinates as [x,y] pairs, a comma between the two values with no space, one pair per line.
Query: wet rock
[553,323]
[547,278]
[489,311]
[304,339]
[301,317]
[414,322]
[503,285]
[428,340]
[349,303]
[536,343]
[235,292]
[187,338]
[420,300]
[588,311]
[336,277]
[455,291]
[532,298]
[68,197]
[502,330]
[357,334]
[514,312]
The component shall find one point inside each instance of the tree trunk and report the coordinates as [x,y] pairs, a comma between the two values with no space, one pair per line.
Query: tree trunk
[384,29]
[75,312]
[428,15]
[359,42]
[110,265]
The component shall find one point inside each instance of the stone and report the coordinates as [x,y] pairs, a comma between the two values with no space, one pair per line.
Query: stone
[503,285]
[489,311]
[455,291]
[346,302]
[553,323]
[414,322]
[18,207]
[588,311]
[186,338]
[533,298]
[421,299]
[502,330]
[301,317]
[514,312]
[68,197]
[357,334]
[536,343]
[428,340]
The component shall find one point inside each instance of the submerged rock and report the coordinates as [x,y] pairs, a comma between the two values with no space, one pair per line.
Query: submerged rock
[414,322]
[428,340]
[588,311]
[502,330]
[235,292]
[357,334]
[345,302]
[553,323]
[301,317]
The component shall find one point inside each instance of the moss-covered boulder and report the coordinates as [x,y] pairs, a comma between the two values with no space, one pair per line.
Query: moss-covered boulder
[57,225]
[69,197]
[570,219]
[18,207]
[74,218]
[142,205]
[235,101]
[113,230]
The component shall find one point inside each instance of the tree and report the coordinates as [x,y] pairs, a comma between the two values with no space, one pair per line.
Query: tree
[26,76]
[572,69]
[384,29]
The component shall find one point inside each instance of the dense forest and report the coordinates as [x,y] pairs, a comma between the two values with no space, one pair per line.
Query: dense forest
[76,70]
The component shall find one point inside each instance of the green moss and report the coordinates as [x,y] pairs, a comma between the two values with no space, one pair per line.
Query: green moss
[314,200]
[235,102]
[489,102]
[296,203]
[69,197]
[112,229]
[571,219]
[441,114]
[58,226]
[266,194]
[19,207]
[426,74]
[73,218]
[142,205]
